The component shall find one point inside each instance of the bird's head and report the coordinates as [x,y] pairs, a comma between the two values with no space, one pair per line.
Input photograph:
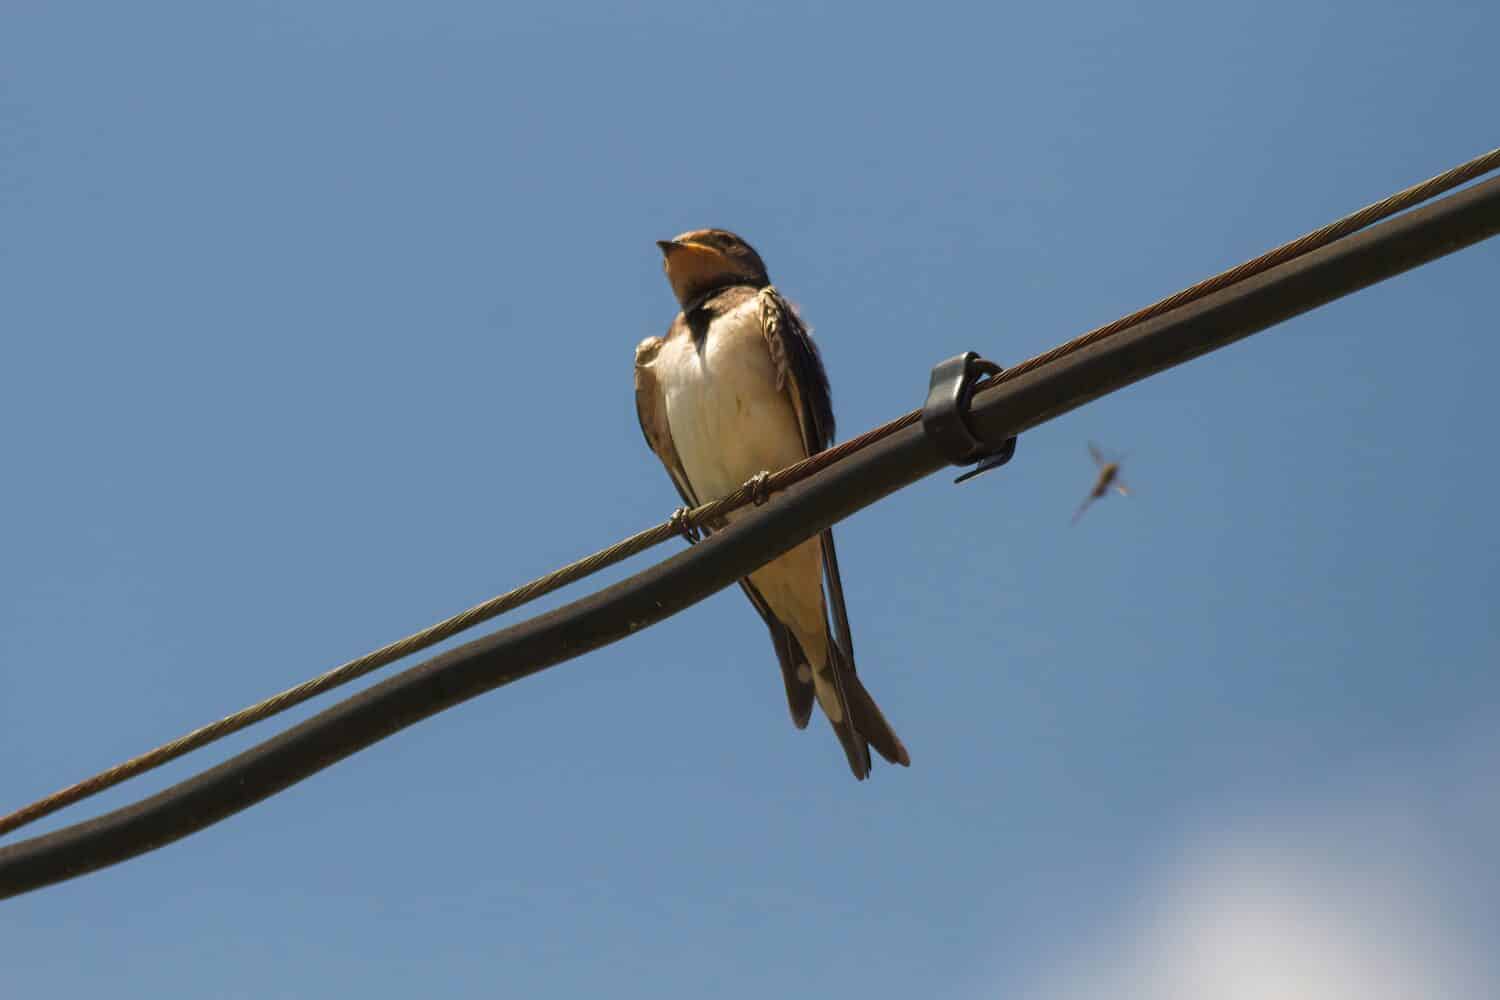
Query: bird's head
[706,260]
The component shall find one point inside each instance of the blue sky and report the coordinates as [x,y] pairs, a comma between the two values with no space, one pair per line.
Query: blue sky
[318,320]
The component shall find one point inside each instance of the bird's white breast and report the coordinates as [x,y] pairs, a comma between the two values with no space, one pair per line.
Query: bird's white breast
[728,419]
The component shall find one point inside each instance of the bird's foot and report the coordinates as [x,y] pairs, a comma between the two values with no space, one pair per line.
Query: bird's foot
[682,521]
[759,487]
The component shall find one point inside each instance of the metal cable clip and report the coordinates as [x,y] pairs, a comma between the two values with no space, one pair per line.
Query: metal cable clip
[945,415]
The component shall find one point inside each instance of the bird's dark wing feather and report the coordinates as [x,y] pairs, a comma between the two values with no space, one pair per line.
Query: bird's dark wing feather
[800,372]
[799,368]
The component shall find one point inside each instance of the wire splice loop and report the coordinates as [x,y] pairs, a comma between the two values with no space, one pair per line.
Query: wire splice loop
[945,415]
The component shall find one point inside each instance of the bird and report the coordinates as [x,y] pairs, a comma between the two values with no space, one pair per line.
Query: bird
[736,388]
[1109,475]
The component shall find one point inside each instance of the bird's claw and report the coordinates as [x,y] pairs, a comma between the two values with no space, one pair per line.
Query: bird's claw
[682,521]
[759,487]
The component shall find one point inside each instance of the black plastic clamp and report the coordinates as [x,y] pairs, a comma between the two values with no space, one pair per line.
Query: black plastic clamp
[945,415]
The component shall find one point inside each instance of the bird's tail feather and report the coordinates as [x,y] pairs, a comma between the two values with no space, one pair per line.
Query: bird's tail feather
[871,724]
[862,725]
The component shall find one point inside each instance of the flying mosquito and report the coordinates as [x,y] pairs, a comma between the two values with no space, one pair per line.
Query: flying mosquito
[1109,476]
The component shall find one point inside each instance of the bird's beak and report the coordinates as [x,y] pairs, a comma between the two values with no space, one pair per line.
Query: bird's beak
[676,248]
[691,267]
[689,258]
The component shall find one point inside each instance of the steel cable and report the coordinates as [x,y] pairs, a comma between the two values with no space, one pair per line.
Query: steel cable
[686,522]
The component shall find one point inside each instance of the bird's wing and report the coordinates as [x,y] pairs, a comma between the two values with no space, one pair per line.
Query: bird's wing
[800,373]
[799,369]
[651,410]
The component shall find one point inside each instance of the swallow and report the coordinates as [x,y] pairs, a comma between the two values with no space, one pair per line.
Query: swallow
[1109,475]
[735,388]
